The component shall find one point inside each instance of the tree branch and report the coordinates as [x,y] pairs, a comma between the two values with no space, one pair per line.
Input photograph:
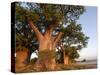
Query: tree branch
[57,38]
[34,28]
[48,32]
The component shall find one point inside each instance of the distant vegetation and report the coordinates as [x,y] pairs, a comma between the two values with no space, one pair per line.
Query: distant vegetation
[84,60]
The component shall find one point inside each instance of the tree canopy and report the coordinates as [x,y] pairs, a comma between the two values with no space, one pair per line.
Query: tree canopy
[59,18]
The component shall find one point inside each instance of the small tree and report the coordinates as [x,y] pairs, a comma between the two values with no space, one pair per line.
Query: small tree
[84,60]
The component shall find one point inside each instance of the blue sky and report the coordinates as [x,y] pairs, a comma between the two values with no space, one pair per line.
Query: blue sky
[89,25]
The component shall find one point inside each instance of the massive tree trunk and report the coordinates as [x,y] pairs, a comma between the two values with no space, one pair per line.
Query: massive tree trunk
[66,59]
[21,57]
[46,44]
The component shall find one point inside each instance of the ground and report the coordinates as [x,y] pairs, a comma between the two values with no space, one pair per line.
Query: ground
[59,67]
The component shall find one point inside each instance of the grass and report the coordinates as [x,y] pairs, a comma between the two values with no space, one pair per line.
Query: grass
[78,66]
[59,67]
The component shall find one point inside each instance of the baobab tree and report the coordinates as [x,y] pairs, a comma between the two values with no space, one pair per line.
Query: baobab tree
[72,42]
[48,22]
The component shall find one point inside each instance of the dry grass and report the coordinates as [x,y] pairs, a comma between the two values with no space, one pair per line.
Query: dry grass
[78,66]
[59,67]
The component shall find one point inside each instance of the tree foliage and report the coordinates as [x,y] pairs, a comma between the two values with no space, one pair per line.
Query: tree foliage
[73,40]
[62,18]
